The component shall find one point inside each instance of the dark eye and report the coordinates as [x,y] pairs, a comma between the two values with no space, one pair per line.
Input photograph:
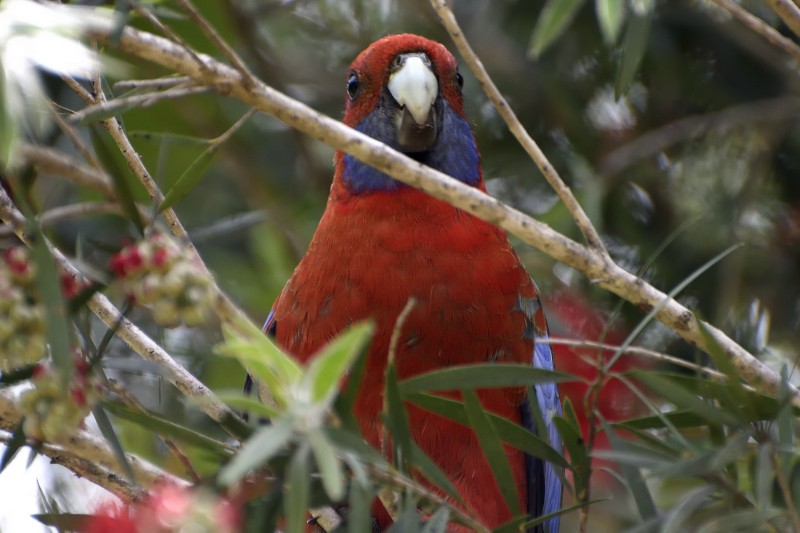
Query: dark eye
[459,79]
[352,86]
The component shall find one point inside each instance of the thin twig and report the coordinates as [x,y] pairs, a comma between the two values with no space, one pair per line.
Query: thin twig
[515,126]
[219,42]
[638,352]
[770,34]
[59,214]
[589,261]
[789,13]
[108,107]
[51,161]
[73,136]
[134,404]
[169,33]
[152,83]
[783,484]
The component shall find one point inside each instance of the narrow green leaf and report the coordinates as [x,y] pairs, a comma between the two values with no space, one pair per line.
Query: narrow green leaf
[685,399]
[344,404]
[358,514]
[265,362]
[552,21]
[545,517]
[395,419]
[738,394]
[480,377]
[676,518]
[262,446]
[492,449]
[172,138]
[118,172]
[107,429]
[513,434]
[298,491]
[634,44]
[67,521]
[571,436]
[330,468]
[13,446]
[355,444]
[190,177]
[58,327]
[167,428]
[250,404]
[610,16]
[326,370]
[433,473]
[638,488]
[437,523]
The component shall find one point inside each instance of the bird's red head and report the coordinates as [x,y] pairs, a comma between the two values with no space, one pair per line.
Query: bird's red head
[405,91]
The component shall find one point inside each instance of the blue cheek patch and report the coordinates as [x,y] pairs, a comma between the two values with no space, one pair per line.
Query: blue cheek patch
[454,153]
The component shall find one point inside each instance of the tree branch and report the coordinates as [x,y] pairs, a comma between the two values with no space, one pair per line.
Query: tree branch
[90,457]
[517,129]
[589,262]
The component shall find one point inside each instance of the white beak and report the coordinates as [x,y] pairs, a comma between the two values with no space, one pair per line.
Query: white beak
[414,87]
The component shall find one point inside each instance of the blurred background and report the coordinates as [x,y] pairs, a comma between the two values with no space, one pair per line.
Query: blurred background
[699,151]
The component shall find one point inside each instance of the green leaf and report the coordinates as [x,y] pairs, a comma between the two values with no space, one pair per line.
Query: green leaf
[346,440]
[492,449]
[344,404]
[298,491]
[326,370]
[118,172]
[437,523]
[262,446]
[190,177]
[264,361]
[330,468]
[359,511]
[166,428]
[55,311]
[480,377]
[633,477]
[13,446]
[237,400]
[610,16]
[171,138]
[107,429]
[67,521]
[634,43]
[684,399]
[552,21]
[433,473]
[513,434]
[571,436]
[677,516]
[395,419]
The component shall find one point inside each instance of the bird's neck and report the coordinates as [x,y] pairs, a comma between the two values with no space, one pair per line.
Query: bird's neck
[454,153]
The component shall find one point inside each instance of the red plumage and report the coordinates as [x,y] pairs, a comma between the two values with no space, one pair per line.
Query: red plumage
[373,251]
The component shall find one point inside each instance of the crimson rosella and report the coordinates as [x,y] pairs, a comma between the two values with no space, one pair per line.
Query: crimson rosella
[380,243]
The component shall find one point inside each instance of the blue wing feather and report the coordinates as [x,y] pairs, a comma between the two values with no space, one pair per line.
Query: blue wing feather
[544,484]
[550,406]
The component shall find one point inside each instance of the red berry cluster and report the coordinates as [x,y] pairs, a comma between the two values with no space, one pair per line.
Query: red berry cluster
[169,509]
[52,412]
[158,273]
[22,326]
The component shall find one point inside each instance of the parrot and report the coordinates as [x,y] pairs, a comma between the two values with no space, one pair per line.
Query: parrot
[380,243]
